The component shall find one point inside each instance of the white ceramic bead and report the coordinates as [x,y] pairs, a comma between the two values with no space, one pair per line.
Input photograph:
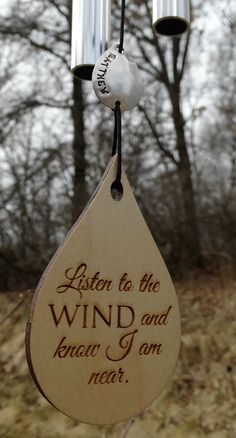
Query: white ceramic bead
[116,77]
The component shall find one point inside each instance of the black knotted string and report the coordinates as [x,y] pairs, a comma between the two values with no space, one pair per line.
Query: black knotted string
[117,137]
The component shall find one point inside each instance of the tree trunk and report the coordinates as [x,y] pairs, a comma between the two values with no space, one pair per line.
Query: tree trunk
[191,230]
[80,196]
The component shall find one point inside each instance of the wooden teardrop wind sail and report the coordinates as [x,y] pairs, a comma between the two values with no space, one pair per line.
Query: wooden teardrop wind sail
[104,331]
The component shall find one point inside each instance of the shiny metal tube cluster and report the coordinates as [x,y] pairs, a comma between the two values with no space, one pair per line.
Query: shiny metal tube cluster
[91,29]
[90,34]
[171,17]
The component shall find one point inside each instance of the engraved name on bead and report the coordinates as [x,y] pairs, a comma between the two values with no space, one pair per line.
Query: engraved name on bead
[103,335]
[116,78]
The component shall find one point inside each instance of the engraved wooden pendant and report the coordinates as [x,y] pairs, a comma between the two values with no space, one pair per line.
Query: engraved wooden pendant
[104,331]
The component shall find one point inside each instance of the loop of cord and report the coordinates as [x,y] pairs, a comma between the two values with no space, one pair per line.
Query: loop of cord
[117,140]
[114,146]
[117,137]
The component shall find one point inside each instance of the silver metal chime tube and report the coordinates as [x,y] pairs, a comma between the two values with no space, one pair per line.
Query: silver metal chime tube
[90,34]
[171,17]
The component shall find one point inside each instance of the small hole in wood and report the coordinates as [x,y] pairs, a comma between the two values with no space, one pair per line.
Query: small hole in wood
[229,368]
[117,191]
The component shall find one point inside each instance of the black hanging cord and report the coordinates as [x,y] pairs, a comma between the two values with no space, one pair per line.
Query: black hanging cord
[119,142]
[114,146]
[117,138]
[122,26]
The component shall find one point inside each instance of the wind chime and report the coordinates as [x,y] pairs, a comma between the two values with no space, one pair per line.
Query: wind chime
[103,334]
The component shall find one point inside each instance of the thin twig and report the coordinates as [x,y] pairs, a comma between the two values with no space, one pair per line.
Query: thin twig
[130,424]
[25,295]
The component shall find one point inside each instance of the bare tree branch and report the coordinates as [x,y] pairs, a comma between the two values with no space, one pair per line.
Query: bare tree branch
[161,145]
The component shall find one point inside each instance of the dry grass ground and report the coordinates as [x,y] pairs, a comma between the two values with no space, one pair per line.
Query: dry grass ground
[199,402]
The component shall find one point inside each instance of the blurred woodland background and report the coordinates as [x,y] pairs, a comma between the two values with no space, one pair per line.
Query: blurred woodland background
[55,138]
[179,152]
